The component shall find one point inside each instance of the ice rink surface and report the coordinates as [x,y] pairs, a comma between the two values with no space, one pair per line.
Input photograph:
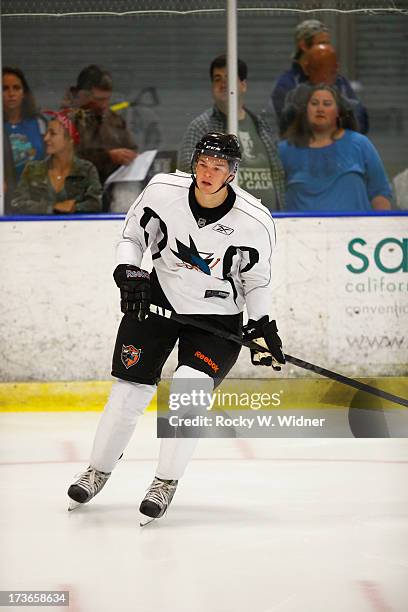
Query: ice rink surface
[296,525]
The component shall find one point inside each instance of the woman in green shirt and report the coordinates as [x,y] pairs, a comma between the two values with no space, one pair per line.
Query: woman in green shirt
[62,183]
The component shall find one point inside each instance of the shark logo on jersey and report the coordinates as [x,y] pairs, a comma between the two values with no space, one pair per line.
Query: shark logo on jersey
[130,355]
[192,257]
[223,229]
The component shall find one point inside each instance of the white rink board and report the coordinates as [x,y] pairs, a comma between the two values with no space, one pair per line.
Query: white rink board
[60,307]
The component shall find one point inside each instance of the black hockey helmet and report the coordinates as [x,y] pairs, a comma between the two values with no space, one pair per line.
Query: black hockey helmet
[216,144]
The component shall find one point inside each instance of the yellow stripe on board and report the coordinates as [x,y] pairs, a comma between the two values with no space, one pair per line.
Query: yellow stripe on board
[296,393]
[55,396]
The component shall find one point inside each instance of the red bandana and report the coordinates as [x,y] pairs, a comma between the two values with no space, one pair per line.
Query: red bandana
[65,121]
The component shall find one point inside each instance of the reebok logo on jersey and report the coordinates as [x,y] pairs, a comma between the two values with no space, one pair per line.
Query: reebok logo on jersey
[207,360]
[137,274]
[223,229]
[130,355]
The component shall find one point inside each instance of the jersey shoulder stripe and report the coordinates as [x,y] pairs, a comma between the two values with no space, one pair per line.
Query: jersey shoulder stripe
[174,179]
[252,201]
[152,194]
[256,211]
[154,187]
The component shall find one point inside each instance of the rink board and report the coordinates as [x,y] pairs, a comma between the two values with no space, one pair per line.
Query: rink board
[339,287]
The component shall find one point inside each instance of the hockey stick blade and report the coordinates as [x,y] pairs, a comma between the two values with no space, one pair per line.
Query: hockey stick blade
[300,363]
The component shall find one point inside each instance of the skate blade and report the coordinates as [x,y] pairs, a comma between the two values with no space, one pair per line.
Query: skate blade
[73,504]
[145,520]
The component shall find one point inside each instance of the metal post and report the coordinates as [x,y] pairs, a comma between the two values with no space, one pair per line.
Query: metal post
[1,143]
[232,66]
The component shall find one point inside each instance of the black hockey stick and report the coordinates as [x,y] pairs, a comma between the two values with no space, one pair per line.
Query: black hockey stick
[300,363]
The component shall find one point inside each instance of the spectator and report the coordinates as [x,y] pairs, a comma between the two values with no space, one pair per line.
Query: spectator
[62,183]
[105,139]
[320,66]
[22,123]
[260,171]
[329,166]
[307,33]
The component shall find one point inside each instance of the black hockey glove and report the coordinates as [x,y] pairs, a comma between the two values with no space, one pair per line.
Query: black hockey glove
[265,333]
[134,285]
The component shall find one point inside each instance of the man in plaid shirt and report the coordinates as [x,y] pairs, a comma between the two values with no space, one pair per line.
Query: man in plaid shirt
[261,172]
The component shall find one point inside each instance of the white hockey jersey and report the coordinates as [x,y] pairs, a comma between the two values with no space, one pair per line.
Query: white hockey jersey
[214,269]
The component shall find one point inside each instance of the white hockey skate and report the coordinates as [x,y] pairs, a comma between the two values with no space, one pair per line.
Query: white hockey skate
[86,487]
[157,500]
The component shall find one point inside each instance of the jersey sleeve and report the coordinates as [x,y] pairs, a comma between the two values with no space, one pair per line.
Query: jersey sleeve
[256,271]
[140,230]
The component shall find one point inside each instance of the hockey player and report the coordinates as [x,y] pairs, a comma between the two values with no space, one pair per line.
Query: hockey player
[211,246]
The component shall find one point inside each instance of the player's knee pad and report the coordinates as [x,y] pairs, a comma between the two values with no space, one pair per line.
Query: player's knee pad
[187,372]
[129,399]
[195,384]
